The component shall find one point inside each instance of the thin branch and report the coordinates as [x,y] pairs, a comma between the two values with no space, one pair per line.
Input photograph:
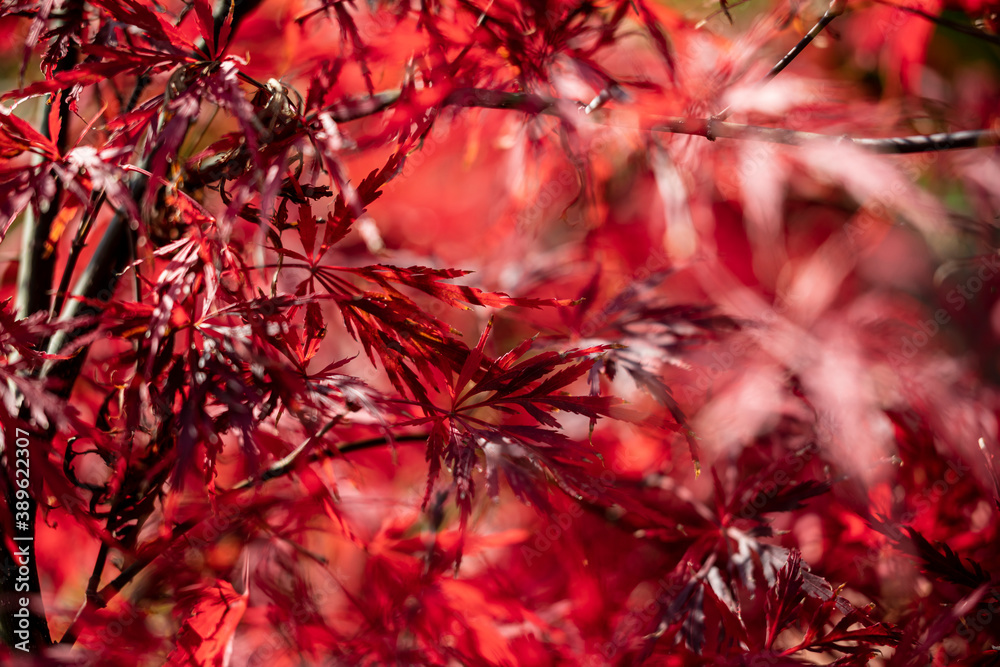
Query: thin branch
[836,8]
[290,462]
[945,23]
[462,97]
[95,575]
[370,443]
[79,243]
[928,143]
[98,281]
[712,129]
[722,10]
[368,106]
[494,99]
[99,599]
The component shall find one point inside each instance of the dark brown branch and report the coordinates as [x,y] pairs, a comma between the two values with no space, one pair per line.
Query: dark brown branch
[98,281]
[710,128]
[943,141]
[836,8]
[493,99]
[100,278]
[945,23]
[95,576]
[35,276]
[366,107]
[79,243]
[726,11]
[98,599]
[37,264]
[713,129]
[291,462]
[370,443]
[462,97]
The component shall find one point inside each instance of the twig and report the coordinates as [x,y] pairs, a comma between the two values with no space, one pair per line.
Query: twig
[370,443]
[712,129]
[493,99]
[722,10]
[98,281]
[836,8]
[943,22]
[289,463]
[95,575]
[100,598]
[79,243]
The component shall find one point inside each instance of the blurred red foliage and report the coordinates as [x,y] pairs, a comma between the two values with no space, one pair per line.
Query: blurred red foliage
[499,333]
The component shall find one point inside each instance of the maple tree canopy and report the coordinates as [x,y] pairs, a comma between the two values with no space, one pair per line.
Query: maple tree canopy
[499,332]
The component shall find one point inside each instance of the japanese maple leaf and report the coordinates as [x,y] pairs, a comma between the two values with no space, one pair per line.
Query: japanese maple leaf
[503,407]
[206,636]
